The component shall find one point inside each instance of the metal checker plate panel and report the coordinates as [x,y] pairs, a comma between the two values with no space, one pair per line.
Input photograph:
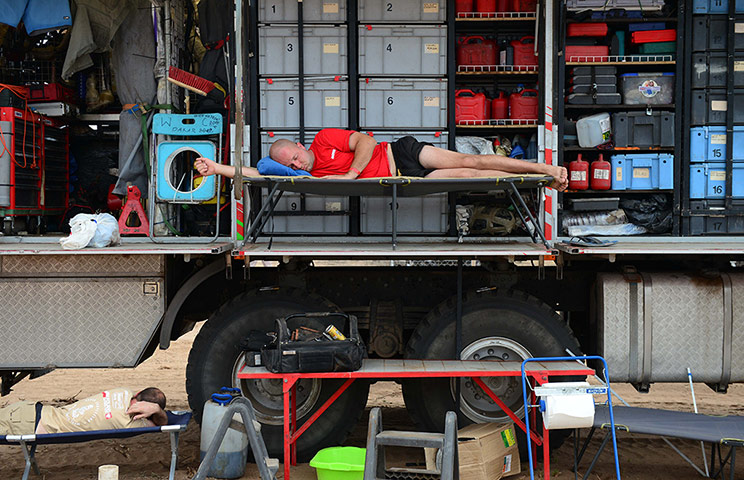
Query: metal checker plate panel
[737,347]
[77,323]
[103,265]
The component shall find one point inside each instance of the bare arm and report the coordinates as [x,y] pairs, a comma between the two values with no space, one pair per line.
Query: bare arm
[149,411]
[362,145]
[210,167]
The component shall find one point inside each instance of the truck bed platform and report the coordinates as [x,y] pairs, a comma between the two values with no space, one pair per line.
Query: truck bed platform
[49,245]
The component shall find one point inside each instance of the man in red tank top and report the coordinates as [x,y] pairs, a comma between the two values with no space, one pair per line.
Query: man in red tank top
[346,154]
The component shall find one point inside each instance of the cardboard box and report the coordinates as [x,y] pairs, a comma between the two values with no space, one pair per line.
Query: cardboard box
[487,451]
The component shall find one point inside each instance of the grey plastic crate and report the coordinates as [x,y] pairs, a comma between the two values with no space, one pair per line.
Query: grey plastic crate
[402,50]
[324,50]
[709,107]
[424,11]
[637,129]
[426,214]
[711,70]
[438,139]
[399,103]
[647,5]
[313,11]
[713,225]
[647,88]
[270,136]
[322,214]
[326,103]
[710,32]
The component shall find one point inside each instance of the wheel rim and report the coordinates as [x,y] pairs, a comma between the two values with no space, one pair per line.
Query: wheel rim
[474,404]
[266,395]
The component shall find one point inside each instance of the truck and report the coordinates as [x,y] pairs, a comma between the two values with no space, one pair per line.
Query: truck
[458,274]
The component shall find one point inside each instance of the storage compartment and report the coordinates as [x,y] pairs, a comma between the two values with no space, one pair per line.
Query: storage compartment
[642,171]
[297,213]
[651,323]
[269,137]
[709,144]
[640,130]
[709,107]
[711,33]
[712,224]
[403,50]
[326,103]
[324,50]
[648,5]
[6,130]
[715,6]
[429,11]
[708,180]
[711,70]
[647,88]
[313,11]
[399,103]
[425,214]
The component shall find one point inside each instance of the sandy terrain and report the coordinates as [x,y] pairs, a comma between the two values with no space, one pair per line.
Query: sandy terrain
[148,457]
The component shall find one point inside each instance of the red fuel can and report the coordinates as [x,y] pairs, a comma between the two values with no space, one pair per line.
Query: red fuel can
[524,5]
[486,6]
[578,174]
[470,107]
[524,51]
[500,106]
[503,6]
[476,51]
[523,105]
[463,6]
[600,174]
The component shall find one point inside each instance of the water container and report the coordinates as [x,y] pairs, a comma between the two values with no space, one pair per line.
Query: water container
[232,455]
[578,174]
[600,174]
[593,130]
[500,106]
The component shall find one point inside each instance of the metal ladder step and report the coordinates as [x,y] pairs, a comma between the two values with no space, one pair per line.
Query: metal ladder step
[410,439]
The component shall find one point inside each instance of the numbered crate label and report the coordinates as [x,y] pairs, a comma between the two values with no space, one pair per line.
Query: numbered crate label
[739,27]
[718,139]
[330,7]
[431,7]
[332,101]
[324,50]
[719,105]
[708,180]
[641,173]
[403,50]
[431,101]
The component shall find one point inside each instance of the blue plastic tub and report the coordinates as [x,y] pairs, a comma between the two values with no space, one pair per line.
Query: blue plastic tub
[708,180]
[715,6]
[642,171]
[708,144]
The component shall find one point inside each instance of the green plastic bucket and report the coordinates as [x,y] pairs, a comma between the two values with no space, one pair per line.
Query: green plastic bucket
[339,463]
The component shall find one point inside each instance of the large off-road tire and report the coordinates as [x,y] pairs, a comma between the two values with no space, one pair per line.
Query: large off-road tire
[215,358]
[505,325]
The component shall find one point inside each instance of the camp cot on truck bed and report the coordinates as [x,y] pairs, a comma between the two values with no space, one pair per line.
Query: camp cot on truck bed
[437,286]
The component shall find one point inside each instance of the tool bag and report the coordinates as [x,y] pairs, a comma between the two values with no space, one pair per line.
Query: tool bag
[319,355]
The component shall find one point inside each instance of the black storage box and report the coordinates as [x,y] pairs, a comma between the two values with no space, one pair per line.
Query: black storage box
[10,99]
[323,355]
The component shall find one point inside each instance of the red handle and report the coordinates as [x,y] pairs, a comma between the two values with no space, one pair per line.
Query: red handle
[532,91]
[474,37]
[458,92]
[530,38]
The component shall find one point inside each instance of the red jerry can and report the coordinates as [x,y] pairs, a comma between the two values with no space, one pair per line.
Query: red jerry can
[524,51]
[470,107]
[578,174]
[600,174]
[476,50]
[486,6]
[500,106]
[463,6]
[503,6]
[523,105]
[524,5]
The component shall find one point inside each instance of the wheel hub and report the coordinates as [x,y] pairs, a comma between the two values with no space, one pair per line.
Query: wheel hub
[474,402]
[266,395]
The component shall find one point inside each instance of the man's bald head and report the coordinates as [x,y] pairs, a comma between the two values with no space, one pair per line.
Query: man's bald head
[275,151]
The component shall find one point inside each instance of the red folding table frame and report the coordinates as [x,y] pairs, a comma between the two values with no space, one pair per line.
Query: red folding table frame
[394,369]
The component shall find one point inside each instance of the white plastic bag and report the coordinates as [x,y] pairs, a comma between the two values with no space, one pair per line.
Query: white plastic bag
[473,145]
[96,231]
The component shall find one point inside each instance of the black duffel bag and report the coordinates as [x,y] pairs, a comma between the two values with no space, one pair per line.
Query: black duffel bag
[323,355]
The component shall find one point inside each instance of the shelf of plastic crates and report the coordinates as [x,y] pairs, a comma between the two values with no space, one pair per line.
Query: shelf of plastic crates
[660,106]
[503,123]
[497,16]
[497,69]
[621,60]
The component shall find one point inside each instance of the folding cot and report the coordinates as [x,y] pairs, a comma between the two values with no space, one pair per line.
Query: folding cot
[177,422]
[727,431]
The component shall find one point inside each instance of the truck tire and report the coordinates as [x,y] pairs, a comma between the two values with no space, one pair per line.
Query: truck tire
[216,357]
[500,324]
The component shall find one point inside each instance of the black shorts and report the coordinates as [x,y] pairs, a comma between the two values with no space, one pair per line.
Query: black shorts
[406,152]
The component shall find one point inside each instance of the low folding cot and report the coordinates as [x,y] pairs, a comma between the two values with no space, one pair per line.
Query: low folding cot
[177,422]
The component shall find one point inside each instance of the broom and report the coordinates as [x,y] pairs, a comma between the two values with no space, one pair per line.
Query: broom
[196,84]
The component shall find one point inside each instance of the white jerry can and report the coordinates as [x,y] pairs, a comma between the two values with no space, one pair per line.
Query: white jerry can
[232,455]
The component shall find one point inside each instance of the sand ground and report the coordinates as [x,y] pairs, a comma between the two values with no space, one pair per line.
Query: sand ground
[148,457]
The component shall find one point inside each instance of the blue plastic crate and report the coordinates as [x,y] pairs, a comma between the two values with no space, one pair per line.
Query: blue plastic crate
[708,144]
[644,27]
[642,171]
[708,180]
[715,6]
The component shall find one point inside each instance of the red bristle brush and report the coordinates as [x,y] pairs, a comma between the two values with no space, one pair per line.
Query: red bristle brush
[196,84]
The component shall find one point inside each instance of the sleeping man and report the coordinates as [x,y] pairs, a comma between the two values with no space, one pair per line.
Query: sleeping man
[108,410]
[346,154]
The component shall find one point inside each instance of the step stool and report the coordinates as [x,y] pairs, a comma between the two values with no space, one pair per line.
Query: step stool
[374,465]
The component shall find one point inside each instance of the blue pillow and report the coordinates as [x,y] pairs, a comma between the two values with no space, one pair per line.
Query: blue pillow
[267,166]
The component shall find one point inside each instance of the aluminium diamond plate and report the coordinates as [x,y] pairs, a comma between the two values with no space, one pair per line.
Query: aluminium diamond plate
[78,322]
[91,265]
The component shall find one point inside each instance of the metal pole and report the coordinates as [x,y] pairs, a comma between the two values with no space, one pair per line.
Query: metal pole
[694,405]
[238,96]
